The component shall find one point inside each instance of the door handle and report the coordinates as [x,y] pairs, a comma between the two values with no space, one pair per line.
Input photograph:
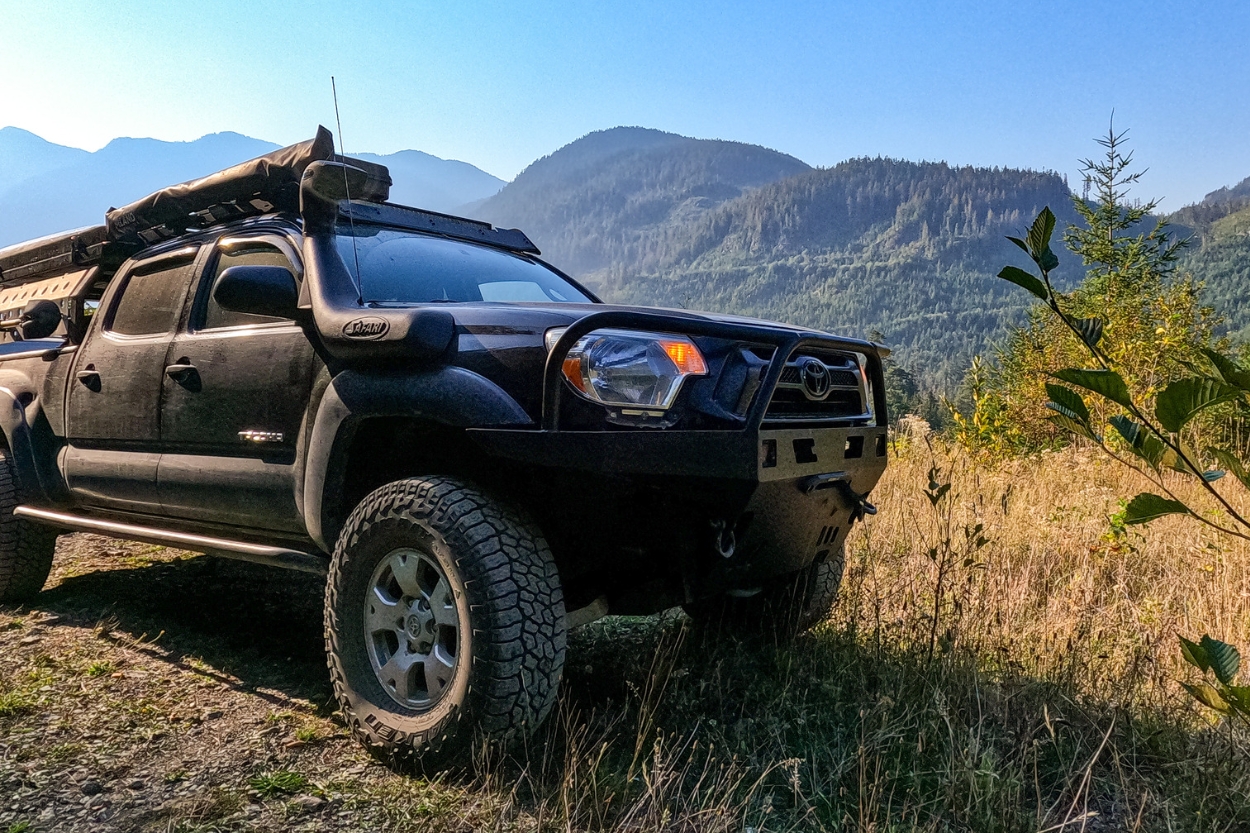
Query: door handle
[185,374]
[181,370]
[90,377]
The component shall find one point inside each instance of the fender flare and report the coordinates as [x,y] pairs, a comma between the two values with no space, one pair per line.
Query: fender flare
[450,396]
[32,444]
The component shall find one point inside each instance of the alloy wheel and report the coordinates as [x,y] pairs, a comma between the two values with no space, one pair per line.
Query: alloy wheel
[412,628]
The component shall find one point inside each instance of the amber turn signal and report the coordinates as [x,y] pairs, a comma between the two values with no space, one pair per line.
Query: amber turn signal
[573,372]
[686,356]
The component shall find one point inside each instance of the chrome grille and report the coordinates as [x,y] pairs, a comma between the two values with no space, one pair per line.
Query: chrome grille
[840,378]
[819,384]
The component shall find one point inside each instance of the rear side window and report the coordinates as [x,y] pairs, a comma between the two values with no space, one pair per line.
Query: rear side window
[247,253]
[152,299]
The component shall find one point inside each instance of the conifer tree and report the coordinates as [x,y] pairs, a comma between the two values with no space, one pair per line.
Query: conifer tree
[1153,324]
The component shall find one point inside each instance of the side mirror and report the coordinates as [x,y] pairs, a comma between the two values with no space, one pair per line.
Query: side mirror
[40,319]
[257,290]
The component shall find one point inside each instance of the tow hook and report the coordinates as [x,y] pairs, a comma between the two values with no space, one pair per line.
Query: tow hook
[724,542]
[841,481]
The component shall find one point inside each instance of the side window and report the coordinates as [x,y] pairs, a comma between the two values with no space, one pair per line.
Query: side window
[151,300]
[242,253]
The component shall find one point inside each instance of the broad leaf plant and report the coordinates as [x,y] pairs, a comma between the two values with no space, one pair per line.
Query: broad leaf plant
[1152,441]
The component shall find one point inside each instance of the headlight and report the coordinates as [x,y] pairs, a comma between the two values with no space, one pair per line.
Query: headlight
[629,369]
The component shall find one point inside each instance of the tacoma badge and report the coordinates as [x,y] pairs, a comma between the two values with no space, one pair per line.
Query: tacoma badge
[261,436]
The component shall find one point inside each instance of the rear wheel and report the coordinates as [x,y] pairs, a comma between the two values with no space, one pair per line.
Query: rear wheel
[25,548]
[444,622]
[786,607]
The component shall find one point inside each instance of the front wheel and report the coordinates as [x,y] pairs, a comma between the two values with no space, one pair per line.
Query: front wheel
[785,607]
[444,622]
[25,549]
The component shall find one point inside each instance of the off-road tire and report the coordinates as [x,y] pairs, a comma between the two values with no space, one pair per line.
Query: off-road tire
[506,583]
[785,608]
[25,548]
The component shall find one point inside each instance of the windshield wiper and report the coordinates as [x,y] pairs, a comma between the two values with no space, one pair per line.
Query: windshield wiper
[390,304]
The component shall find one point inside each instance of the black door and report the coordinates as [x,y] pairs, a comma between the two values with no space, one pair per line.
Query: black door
[112,419]
[231,415]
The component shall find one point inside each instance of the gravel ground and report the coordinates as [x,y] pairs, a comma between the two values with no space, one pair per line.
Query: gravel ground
[151,689]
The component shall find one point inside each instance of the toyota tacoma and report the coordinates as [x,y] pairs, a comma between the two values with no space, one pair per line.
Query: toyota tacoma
[274,363]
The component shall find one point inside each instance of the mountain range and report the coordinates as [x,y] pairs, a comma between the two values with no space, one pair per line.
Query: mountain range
[902,251]
[615,197]
[46,188]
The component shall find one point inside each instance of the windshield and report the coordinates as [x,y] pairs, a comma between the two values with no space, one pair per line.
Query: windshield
[407,267]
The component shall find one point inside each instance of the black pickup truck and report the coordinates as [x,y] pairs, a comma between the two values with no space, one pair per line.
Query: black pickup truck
[275,364]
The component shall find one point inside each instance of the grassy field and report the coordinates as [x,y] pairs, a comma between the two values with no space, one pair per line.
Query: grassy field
[1019,677]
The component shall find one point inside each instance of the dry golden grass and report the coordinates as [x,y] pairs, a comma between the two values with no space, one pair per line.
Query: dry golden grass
[1054,594]
[999,660]
[1060,618]
[1027,684]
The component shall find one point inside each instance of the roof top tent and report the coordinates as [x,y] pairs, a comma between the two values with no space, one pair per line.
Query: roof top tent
[70,267]
[259,186]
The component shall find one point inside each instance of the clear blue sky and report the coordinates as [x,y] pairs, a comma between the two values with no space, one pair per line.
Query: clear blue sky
[500,84]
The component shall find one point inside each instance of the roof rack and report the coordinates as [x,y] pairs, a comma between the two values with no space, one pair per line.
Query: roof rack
[389,214]
[61,252]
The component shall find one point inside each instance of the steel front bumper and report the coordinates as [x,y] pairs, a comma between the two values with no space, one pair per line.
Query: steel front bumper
[813,484]
[779,499]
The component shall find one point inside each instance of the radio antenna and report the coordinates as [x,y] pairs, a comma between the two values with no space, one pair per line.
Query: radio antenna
[360,279]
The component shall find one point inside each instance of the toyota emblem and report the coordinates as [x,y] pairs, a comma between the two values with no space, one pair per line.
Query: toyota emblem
[815,377]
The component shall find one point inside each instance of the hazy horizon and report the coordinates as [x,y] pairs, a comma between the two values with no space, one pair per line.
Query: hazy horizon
[368,152]
[498,87]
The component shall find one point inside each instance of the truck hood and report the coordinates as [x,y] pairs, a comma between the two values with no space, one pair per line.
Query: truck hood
[540,316]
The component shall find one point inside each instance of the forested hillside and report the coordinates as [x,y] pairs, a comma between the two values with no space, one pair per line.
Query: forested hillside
[907,249]
[1219,252]
[616,197]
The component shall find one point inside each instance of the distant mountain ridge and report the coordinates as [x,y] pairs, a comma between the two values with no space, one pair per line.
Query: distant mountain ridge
[23,155]
[613,197]
[1213,207]
[423,180]
[46,188]
[906,249]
